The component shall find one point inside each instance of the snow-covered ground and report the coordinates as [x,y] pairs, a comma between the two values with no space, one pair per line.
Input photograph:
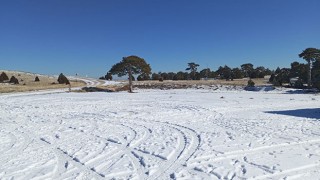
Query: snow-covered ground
[160,134]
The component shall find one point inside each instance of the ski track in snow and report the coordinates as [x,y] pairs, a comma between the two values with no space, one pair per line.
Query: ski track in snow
[156,134]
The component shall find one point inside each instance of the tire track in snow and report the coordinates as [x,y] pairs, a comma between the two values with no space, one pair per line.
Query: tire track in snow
[16,149]
[128,148]
[125,148]
[61,156]
[284,172]
[93,162]
[10,146]
[234,154]
[185,150]
[189,142]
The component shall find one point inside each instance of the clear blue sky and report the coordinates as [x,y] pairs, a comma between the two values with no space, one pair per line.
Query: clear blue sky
[89,36]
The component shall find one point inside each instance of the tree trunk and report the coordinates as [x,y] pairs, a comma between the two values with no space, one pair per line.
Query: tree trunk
[309,74]
[130,79]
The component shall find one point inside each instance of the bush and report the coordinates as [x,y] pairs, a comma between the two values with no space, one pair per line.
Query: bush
[250,83]
[298,84]
[140,78]
[271,79]
[277,81]
[3,77]
[108,76]
[161,79]
[14,80]
[316,82]
[62,79]
[143,77]
[37,79]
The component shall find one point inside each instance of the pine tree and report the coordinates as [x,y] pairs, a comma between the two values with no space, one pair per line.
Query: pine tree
[129,66]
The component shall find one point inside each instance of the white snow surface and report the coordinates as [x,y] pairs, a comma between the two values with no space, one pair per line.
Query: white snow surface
[160,134]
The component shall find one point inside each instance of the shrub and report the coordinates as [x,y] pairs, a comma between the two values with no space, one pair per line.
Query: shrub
[37,79]
[62,79]
[108,76]
[161,79]
[271,79]
[277,81]
[140,78]
[14,80]
[298,84]
[250,83]
[3,77]
[316,82]
[143,77]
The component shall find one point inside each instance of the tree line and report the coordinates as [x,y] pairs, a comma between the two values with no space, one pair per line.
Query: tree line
[308,73]
[191,72]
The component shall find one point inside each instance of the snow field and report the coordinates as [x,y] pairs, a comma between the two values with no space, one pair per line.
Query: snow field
[156,134]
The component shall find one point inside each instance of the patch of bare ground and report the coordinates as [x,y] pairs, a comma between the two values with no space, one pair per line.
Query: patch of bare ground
[169,84]
[106,88]
[27,82]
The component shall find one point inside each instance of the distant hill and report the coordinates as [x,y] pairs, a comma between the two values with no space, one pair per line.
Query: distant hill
[27,82]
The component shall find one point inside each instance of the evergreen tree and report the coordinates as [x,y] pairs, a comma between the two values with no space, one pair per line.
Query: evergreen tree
[310,55]
[193,69]
[205,73]
[129,66]
[108,76]
[164,76]
[181,76]
[299,70]
[171,75]
[155,76]
[225,72]
[237,73]
[247,69]
[143,77]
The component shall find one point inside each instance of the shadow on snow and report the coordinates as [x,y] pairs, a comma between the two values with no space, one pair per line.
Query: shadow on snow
[305,113]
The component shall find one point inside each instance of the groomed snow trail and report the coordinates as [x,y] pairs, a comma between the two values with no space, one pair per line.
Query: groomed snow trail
[160,134]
